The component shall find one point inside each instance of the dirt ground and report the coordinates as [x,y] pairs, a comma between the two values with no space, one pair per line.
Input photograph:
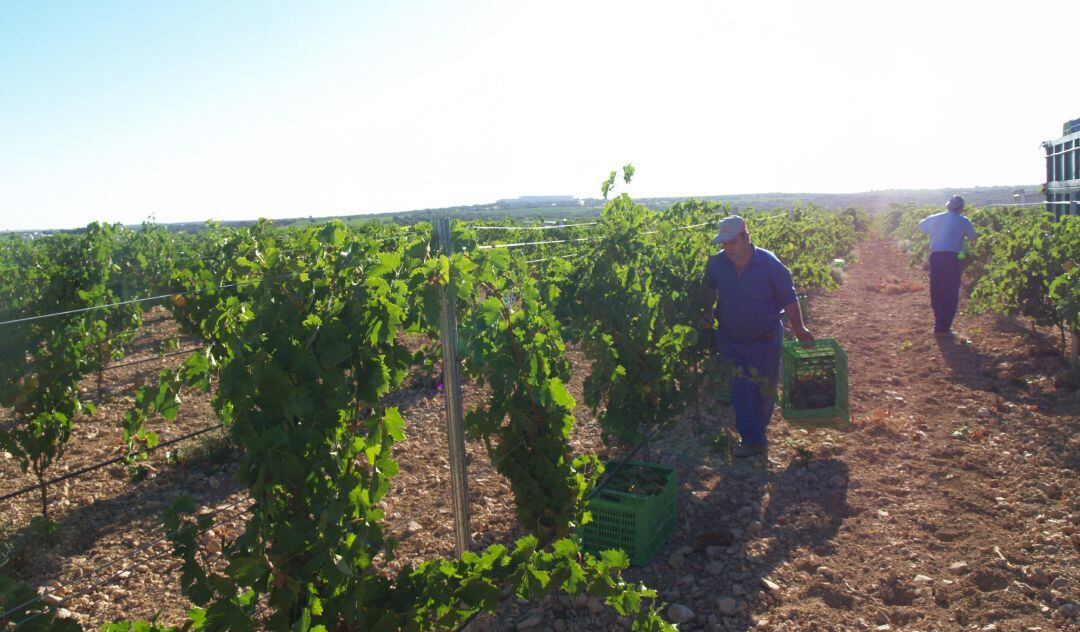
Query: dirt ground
[951,505]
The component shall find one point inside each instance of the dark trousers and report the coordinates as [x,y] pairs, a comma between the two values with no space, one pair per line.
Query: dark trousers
[755,373]
[945,271]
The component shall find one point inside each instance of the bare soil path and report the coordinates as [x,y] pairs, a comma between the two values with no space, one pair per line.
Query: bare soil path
[952,505]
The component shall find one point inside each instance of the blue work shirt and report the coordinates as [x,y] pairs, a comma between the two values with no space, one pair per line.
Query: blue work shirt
[947,231]
[749,307]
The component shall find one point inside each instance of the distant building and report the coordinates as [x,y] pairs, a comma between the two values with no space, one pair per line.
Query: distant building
[1062,187]
[538,200]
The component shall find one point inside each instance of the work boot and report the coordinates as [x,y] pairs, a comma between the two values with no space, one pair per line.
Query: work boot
[745,451]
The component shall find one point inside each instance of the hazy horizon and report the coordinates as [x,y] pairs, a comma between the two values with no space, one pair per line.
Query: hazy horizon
[1030,189]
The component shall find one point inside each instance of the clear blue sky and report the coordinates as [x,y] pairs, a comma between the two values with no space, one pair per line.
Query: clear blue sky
[116,111]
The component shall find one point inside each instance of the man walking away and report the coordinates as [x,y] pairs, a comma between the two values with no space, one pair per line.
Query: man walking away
[746,290]
[947,231]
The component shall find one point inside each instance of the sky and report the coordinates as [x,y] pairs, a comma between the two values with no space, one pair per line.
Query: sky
[195,110]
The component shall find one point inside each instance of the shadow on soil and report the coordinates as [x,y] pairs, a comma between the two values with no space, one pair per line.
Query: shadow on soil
[1010,377]
[801,508]
[1004,375]
[36,558]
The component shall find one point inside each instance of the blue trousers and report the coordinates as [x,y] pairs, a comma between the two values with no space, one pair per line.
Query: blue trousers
[756,371]
[945,271]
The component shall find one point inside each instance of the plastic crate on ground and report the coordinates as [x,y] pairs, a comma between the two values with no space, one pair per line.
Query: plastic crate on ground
[814,384]
[638,524]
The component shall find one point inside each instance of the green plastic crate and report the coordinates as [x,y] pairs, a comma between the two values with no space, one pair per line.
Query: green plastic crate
[822,362]
[637,524]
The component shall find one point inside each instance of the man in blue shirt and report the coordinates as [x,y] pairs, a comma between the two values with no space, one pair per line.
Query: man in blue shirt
[947,231]
[746,289]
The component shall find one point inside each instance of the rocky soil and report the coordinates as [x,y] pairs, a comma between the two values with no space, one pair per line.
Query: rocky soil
[952,504]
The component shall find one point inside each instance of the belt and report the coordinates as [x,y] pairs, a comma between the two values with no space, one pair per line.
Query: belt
[765,337]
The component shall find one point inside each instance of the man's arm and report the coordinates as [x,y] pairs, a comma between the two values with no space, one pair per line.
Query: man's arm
[797,327]
[925,224]
[784,293]
[709,295]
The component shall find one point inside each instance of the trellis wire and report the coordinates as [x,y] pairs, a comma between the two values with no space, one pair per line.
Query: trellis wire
[580,254]
[112,461]
[151,359]
[533,243]
[531,227]
[171,294]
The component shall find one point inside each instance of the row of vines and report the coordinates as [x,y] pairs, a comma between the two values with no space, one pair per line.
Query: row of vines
[1024,263]
[303,336]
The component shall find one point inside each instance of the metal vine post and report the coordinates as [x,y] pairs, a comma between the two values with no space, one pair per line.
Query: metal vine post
[459,488]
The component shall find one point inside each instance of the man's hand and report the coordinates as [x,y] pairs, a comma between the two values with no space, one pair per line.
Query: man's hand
[709,297]
[804,336]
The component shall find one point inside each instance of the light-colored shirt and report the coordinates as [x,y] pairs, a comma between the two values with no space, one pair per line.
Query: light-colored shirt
[947,231]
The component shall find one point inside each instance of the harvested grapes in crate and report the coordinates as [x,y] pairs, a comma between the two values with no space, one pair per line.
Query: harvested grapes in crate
[814,384]
[636,511]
